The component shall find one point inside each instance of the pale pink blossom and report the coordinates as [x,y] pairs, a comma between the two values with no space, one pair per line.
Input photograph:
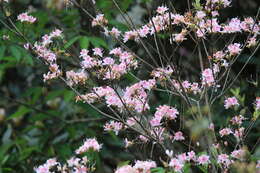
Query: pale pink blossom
[113,126]
[108,61]
[239,133]
[115,32]
[24,17]
[200,14]
[224,159]
[225,132]
[100,20]
[203,159]
[89,144]
[126,169]
[219,55]
[176,165]
[178,136]
[238,154]
[162,9]
[237,120]
[207,77]
[230,102]
[234,49]
[98,52]
[144,166]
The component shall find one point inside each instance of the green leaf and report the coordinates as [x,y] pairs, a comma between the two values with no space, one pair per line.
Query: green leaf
[54,94]
[158,170]
[84,42]
[123,163]
[98,42]
[71,42]
[15,52]
[22,110]
[68,95]
[203,169]
[26,152]
[2,51]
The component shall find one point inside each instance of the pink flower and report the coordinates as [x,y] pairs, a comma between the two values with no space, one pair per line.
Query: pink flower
[126,169]
[239,133]
[224,159]
[195,88]
[115,32]
[233,26]
[144,166]
[200,14]
[186,84]
[56,33]
[144,31]
[98,51]
[100,20]
[166,111]
[238,154]
[203,159]
[130,35]
[225,132]
[178,136]
[237,120]
[207,77]
[234,49]
[191,155]
[176,165]
[162,9]
[84,53]
[24,17]
[113,126]
[231,101]
[219,55]
[88,145]
[116,51]
[108,61]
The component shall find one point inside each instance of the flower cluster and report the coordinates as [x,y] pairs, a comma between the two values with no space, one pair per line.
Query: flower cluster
[131,103]
[230,102]
[139,167]
[24,17]
[49,57]
[113,126]
[89,144]
[208,77]
[164,111]
[74,164]
[107,67]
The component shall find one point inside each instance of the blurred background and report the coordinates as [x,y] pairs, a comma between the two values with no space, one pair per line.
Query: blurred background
[40,120]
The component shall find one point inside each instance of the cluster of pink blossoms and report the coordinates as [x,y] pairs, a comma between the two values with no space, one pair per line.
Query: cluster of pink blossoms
[139,167]
[178,162]
[231,102]
[237,131]
[74,164]
[75,78]
[89,144]
[106,67]
[134,98]
[113,126]
[208,77]
[162,73]
[49,57]
[202,22]
[24,17]
[162,111]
